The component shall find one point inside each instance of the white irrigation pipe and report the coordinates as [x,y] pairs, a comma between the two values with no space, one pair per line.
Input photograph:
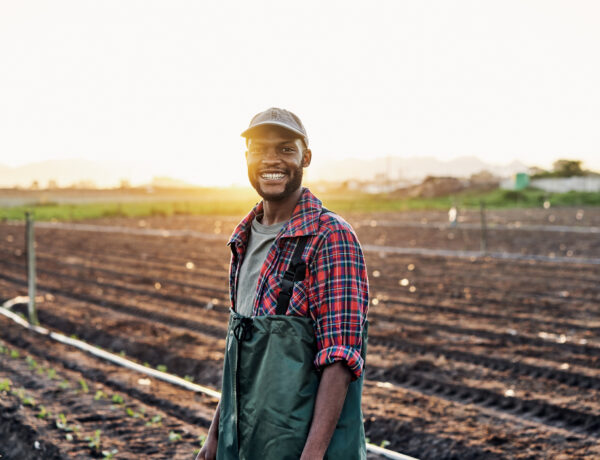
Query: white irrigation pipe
[366,247]
[170,378]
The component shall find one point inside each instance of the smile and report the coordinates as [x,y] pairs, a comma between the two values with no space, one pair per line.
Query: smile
[272,176]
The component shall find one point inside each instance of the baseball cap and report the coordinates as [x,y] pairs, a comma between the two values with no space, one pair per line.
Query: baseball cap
[278,117]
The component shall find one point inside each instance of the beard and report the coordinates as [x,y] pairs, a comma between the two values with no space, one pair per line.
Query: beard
[294,182]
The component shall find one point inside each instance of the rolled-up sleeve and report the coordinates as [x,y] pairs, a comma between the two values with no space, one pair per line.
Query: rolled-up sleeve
[340,301]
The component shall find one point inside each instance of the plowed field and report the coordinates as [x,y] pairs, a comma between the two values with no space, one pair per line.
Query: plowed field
[470,356]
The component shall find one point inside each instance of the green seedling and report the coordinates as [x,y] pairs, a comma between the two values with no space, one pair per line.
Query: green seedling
[43,413]
[5,385]
[147,364]
[74,336]
[69,437]
[161,367]
[174,437]
[117,399]
[122,353]
[84,386]
[99,395]
[108,454]
[28,401]
[14,354]
[62,424]
[189,378]
[51,373]
[31,362]
[94,441]
[384,443]
[3,350]
[64,385]
[156,420]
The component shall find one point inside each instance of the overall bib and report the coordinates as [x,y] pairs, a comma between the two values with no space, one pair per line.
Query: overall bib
[270,385]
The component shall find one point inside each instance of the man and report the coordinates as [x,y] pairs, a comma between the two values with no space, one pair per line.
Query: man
[292,377]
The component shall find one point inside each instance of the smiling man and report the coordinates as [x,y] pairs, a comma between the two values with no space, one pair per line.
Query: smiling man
[296,341]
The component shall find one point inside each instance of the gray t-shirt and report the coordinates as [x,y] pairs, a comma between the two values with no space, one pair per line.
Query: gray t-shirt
[260,241]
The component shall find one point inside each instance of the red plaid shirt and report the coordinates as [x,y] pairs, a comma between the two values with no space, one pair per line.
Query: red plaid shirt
[334,292]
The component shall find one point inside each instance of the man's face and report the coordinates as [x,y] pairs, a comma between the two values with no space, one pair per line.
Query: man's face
[275,160]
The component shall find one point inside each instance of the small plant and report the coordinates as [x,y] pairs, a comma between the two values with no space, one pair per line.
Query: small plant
[14,354]
[19,393]
[3,350]
[155,421]
[84,386]
[5,385]
[122,353]
[99,395]
[108,454]
[161,367]
[189,378]
[43,413]
[384,443]
[61,423]
[69,437]
[51,373]
[117,399]
[64,385]
[31,362]
[28,401]
[174,437]
[94,441]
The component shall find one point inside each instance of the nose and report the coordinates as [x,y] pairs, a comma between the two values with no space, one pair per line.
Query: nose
[270,155]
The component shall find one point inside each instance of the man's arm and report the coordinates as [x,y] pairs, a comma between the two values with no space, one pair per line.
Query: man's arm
[209,449]
[331,395]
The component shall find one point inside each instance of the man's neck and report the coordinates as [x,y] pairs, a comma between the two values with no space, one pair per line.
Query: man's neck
[275,212]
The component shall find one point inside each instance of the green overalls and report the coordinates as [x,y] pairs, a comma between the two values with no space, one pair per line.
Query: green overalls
[270,386]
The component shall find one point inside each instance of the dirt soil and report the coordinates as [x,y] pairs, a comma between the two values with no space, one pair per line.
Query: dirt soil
[468,358]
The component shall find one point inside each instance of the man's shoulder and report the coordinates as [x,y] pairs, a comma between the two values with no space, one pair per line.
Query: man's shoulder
[331,222]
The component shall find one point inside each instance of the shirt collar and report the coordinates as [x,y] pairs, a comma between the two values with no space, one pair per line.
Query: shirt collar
[304,220]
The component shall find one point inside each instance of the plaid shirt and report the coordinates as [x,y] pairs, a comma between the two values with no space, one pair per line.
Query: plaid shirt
[334,292]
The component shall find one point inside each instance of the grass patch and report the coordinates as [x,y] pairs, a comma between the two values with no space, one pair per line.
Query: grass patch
[338,201]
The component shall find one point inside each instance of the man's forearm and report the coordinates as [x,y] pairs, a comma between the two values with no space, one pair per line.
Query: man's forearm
[328,406]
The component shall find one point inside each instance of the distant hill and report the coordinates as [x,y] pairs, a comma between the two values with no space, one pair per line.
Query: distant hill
[413,168]
[109,174]
[64,173]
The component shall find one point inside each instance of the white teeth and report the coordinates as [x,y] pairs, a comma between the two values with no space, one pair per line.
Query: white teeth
[272,176]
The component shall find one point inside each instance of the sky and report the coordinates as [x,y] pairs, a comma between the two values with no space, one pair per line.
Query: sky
[166,87]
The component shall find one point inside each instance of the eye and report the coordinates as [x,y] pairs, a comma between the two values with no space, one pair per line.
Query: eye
[288,150]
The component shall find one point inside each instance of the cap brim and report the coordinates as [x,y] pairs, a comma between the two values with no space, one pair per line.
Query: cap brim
[274,123]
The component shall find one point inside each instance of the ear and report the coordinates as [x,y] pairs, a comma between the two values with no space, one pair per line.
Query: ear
[306,157]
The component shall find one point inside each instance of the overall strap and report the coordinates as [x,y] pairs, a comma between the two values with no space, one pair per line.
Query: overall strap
[295,272]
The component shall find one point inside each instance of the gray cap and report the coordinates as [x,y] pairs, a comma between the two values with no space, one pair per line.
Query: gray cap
[278,117]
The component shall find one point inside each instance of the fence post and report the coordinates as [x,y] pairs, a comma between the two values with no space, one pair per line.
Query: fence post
[483,242]
[30,249]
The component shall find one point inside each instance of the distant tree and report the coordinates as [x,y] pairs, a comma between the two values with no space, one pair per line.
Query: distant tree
[561,168]
[35,185]
[124,184]
[52,184]
[567,168]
